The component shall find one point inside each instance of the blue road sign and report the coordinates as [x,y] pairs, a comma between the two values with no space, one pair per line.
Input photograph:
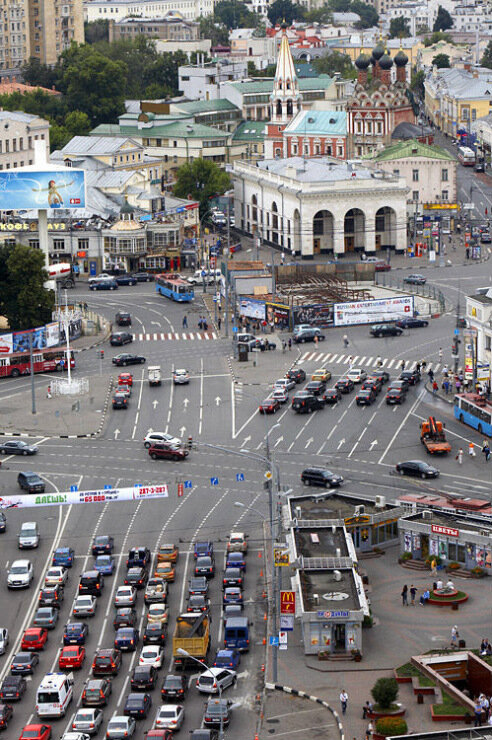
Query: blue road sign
[234,329]
[273,639]
[239,476]
[74,488]
[456,332]
[107,487]
[188,484]
[204,273]
[215,299]
[214,481]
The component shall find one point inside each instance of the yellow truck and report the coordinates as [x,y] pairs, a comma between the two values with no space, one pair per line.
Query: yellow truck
[192,634]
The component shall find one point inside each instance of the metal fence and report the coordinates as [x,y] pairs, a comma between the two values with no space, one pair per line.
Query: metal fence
[425,291]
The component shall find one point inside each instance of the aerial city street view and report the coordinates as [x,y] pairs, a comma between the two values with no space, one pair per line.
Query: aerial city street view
[245,370]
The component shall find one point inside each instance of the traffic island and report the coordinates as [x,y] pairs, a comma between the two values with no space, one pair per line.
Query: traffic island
[447,597]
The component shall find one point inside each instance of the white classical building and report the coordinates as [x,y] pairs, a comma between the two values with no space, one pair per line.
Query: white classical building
[312,206]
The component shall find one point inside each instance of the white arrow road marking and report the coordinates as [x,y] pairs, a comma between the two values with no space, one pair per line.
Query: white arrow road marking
[342,442]
[116,433]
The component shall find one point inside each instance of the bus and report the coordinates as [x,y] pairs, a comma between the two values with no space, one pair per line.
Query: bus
[466,156]
[475,411]
[173,287]
[44,361]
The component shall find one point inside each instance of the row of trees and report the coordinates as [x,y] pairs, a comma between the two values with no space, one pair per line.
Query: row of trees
[400,26]
[23,300]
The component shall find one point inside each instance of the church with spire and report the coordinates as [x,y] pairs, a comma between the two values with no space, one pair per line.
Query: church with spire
[377,105]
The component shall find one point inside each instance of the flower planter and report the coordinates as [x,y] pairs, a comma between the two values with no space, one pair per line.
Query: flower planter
[400,712]
[402,679]
[446,717]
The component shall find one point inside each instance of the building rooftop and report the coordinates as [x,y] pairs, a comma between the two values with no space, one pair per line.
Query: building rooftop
[332,506]
[461,84]
[407,130]
[250,87]
[321,170]
[319,122]
[205,106]
[96,145]
[14,115]
[173,128]
[411,149]
[325,544]
[250,131]
[475,524]
[321,591]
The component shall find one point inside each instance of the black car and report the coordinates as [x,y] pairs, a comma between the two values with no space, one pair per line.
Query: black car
[123,318]
[204,734]
[214,710]
[381,374]
[91,582]
[394,396]
[13,688]
[316,387]
[75,633]
[198,603]
[417,468]
[17,447]
[24,663]
[306,403]
[411,376]
[126,616]
[320,477]
[96,692]
[138,557]
[401,385]
[103,285]
[412,323]
[103,544]
[31,482]
[198,585]
[3,522]
[137,705]
[143,277]
[385,330]
[296,374]
[415,279]
[144,678]
[137,577]
[155,633]
[375,383]
[332,395]
[119,401]
[365,397]
[308,335]
[233,577]
[205,566]
[119,338]
[6,713]
[122,360]
[51,596]
[174,688]
[126,279]
[345,385]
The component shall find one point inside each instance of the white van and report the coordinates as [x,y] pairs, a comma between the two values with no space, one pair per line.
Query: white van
[54,694]
[28,536]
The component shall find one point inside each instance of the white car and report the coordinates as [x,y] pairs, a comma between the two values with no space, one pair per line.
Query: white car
[151,655]
[101,276]
[158,613]
[4,639]
[88,720]
[285,384]
[169,717]
[181,377]
[209,682]
[20,574]
[84,606]
[120,727]
[56,574]
[356,375]
[153,437]
[280,395]
[75,736]
[125,596]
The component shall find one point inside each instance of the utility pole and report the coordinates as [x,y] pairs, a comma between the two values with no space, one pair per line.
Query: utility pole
[33,396]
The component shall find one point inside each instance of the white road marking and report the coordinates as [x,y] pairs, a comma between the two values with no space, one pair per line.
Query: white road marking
[402,424]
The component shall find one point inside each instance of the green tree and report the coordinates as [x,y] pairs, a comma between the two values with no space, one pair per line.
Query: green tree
[96,31]
[437,36]
[94,84]
[202,180]
[443,20]
[335,62]
[23,299]
[384,692]
[441,61]
[77,123]
[284,10]
[59,136]
[368,15]
[209,29]
[486,60]
[399,28]
[319,15]
[417,84]
[340,6]
[35,73]
[232,14]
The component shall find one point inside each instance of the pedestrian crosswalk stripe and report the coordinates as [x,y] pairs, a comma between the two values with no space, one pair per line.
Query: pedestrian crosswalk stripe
[390,364]
[383,362]
[413,365]
[191,335]
[361,361]
[329,358]
[173,336]
[354,360]
[155,337]
[369,362]
[436,367]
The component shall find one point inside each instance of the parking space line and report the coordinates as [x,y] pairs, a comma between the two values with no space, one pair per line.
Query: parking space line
[303,729]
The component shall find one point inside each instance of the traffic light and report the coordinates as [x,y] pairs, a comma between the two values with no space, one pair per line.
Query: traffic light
[101,354]
[455,347]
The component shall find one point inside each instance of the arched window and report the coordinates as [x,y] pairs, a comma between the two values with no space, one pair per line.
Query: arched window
[279,107]
[289,107]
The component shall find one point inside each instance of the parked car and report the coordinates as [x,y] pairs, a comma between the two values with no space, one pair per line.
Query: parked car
[417,468]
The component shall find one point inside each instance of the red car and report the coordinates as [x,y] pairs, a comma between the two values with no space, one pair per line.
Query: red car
[71,656]
[167,451]
[125,379]
[269,406]
[34,638]
[36,732]
[159,735]
[381,266]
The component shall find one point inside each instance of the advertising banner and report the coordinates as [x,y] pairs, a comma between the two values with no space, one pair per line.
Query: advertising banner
[287,602]
[137,493]
[278,314]
[251,308]
[25,189]
[74,330]
[6,343]
[281,555]
[373,311]
[52,334]
[320,315]
[21,339]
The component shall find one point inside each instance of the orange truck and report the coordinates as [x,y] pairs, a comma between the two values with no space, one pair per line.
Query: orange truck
[433,438]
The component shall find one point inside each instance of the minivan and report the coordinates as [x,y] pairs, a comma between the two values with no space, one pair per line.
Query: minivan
[28,536]
[31,482]
[305,403]
[91,582]
[236,634]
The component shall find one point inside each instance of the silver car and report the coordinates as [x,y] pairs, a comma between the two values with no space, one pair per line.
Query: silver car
[120,727]
[84,606]
[4,639]
[88,720]
[20,574]
[169,717]
[56,574]
[46,616]
[125,596]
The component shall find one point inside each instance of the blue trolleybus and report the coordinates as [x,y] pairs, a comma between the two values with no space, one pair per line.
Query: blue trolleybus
[173,287]
[474,410]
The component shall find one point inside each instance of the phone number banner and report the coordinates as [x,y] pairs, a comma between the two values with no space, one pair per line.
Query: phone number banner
[137,493]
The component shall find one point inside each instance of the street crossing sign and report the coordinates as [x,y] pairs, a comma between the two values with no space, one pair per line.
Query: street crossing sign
[188,484]
[274,641]
[214,481]
[239,476]
[74,488]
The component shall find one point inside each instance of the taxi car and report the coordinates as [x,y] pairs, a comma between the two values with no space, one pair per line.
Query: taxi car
[321,374]
[166,571]
[168,552]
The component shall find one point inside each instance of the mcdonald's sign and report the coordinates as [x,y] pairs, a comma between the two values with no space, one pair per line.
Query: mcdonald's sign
[287,602]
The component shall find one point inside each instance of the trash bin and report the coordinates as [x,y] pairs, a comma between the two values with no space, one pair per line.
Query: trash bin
[462,643]
[420,698]
[242,352]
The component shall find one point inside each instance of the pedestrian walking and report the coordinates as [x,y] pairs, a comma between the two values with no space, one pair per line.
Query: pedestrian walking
[435,387]
[284,345]
[351,360]
[459,456]
[366,709]
[204,325]
[445,386]
[199,322]
[219,322]
[290,344]
[379,361]
[316,340]
[404,595]
[468,253]
[403,364]
[477,713]
[430,374]
[454,636]
[424,365]
[440,354]
[413,594]
[471,449]
[434,567]
[282,259]
[417,367]
[344,700]
[345,340]
[185,322]
[48,392]
[486,452]
[369,730]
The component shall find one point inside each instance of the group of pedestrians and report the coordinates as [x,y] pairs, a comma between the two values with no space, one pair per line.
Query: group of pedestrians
[482,710]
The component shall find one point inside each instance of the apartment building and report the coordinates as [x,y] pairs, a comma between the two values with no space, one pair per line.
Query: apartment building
[172,27]
[118,9]
[18,132]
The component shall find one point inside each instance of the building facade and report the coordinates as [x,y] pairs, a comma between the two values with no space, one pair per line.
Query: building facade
[456,98]
[202,81]
[119,9]
[317,133]
[172,27]
[18,132]
[307,206]
[479,317]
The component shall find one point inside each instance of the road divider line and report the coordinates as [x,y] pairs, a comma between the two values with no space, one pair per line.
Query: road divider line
[402,424]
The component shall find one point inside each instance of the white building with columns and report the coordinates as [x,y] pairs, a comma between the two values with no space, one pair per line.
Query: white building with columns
[320,206]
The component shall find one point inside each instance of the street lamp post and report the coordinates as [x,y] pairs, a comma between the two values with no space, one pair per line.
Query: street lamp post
[186,654]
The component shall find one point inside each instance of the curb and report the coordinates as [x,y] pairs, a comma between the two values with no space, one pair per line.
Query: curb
[96,344]
[305,695]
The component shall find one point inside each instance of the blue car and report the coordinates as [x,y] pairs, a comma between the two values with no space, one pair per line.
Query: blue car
[75,633]
[127,638]
[104,564]
[236,560]
[63,556]
[227,659]
[203,549]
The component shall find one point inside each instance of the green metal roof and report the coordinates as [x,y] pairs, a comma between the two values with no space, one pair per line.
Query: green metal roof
[250,131]
[249,87]
[205,106]
[412,148]
[319,123]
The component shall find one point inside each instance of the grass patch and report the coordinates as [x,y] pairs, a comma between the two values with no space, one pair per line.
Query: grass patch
[448,600]
[425,682]
[449,706]
[406,670]
[391,708]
